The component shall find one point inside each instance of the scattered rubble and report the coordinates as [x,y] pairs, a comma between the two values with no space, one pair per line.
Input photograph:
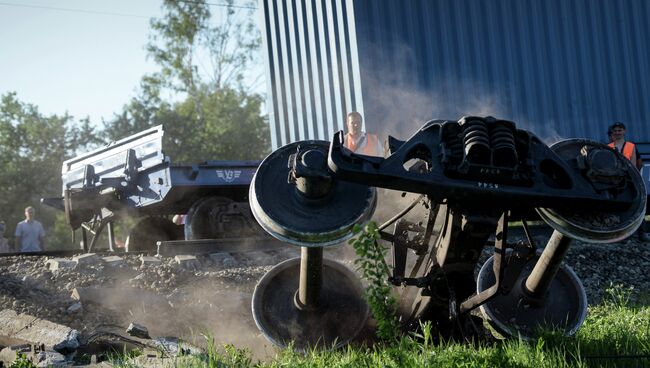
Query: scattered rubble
[137,330]
[75,308]
[113,261]
[34,330]
[57,264]
[223,259]
[86,259]
[188,262]
[150,261]
[190,297]
[50,359]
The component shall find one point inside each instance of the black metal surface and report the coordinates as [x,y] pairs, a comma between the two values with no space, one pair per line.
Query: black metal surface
[400,249]
[563,307]
[289,215]
[539,177]
[311,278]
[449,266]
[599,225]
[340,315]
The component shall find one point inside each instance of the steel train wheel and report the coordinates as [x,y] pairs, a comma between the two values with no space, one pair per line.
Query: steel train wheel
[289,216]
[342,311]
[219,217]
[596,226]
[564,307]
[150,230]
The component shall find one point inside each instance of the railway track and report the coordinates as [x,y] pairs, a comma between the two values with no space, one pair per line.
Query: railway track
[178,247]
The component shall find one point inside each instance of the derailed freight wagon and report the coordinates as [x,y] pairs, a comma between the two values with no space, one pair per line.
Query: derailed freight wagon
[560,69]
[557,69]
[133,177]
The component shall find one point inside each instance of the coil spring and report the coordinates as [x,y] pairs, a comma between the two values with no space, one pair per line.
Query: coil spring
[476,140]
[455,145]
[503,146]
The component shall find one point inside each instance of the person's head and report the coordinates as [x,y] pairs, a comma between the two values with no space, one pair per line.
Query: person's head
[618,131]
[29,213]
[355,122]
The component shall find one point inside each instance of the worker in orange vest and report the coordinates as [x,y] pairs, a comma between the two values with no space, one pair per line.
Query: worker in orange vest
[358,141]
[628,149]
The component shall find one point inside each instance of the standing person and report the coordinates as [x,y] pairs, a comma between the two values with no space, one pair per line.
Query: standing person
[4,243]
[358,141]
[628,149]
[30,235]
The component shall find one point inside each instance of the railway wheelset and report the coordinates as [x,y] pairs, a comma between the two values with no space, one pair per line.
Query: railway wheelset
[471,175]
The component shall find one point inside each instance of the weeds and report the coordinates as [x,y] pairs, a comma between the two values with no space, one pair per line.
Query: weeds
[371,262]
[22,361]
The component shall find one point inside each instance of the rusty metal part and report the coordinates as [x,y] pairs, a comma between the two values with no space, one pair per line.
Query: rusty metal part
[340,314]
[308,209]
[400,214]
[407,236]
[541,277]
[606,169]
[499,265]
[450,267]
[564,305]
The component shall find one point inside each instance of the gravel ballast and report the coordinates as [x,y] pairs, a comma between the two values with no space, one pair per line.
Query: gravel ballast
[210,295]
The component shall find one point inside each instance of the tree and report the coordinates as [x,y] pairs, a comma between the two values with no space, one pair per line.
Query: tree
[230,127]
[214,115]
[32,148]
[189,34]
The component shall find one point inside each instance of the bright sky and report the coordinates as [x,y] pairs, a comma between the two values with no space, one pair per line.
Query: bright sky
[83,57]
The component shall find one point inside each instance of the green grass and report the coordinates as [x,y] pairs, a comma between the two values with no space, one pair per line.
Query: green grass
[617,327]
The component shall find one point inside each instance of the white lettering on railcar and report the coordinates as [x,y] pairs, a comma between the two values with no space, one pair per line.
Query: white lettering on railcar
[488,185]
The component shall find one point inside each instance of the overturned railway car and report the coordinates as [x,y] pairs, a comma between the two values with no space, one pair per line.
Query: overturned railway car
[560,69]
[133,177]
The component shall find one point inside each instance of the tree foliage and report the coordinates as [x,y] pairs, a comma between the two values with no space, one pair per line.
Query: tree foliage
[32,149]
[201,94]
[204,59]
[194,46]
[222,125]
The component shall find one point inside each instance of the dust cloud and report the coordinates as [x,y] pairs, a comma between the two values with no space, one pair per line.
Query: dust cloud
[398,104]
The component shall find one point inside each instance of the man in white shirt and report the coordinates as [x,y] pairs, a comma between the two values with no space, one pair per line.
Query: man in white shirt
[30,235]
